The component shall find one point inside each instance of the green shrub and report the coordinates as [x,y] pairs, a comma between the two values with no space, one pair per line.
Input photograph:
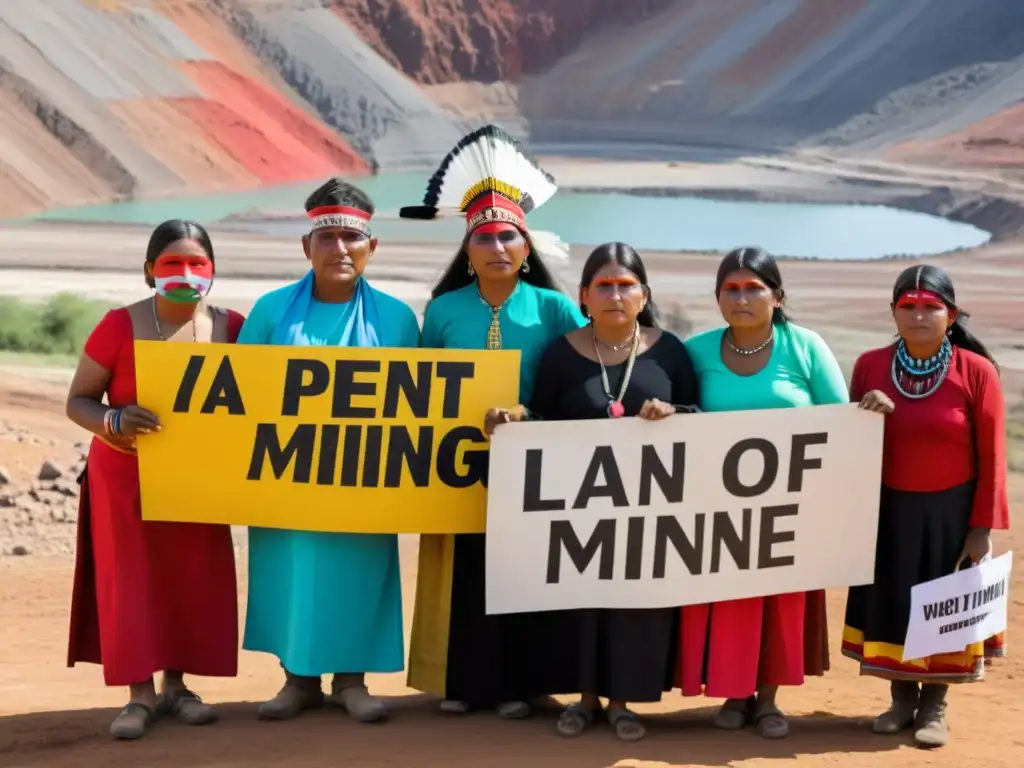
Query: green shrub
[57,326]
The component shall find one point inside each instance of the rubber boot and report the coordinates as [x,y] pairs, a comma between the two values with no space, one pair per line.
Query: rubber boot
[349,692]
[931,728]
[900,714]
[299,693]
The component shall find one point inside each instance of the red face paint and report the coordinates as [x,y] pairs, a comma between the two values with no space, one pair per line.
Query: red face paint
[183,277]
[494,227]
[924,299]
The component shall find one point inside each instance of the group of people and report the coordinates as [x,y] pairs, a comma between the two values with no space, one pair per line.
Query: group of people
[161,597]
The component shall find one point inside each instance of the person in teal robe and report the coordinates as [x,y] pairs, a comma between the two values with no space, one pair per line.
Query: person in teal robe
[328,602]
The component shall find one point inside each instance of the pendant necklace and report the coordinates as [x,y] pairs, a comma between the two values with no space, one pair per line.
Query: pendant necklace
[615,407]
[160,333]
[751,350]
[916,379]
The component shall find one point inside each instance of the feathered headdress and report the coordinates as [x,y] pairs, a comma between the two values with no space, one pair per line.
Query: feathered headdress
[489,177]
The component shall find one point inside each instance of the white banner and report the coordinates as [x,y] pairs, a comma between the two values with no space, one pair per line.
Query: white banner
[948,614]
[695,508]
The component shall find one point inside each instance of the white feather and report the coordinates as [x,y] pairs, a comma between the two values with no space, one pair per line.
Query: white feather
[491,157]
[549,245]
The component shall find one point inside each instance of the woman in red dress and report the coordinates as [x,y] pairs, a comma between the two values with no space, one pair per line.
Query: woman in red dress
[149,596]
[943,491]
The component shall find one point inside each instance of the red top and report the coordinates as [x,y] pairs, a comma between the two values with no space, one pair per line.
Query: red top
[112,345]
[954,435]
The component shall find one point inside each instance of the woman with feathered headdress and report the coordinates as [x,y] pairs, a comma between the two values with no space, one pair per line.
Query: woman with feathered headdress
[497,293]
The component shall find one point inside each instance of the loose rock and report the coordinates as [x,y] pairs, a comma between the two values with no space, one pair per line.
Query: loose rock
[50,471]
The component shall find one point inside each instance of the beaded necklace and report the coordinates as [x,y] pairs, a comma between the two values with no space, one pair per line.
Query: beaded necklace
[916,379]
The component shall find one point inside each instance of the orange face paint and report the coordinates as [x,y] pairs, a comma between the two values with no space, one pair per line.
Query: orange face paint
[747,286]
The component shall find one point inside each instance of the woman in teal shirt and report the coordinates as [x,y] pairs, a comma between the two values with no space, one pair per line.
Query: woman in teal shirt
[497,293]
[739,648]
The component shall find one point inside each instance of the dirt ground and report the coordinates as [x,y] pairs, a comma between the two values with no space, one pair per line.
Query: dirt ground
[54,716]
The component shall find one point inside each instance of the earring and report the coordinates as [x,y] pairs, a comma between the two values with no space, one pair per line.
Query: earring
[949,331]
[526,266]
[471,270]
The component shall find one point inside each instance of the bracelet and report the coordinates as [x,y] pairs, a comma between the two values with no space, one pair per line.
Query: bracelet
[116,421]
[108,421]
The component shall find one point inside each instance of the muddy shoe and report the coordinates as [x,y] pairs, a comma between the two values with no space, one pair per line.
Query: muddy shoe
[186,707]
[901,713]
[133,722]
[734,714]
[298,694]
[350,693]
[453,707]
[931,727]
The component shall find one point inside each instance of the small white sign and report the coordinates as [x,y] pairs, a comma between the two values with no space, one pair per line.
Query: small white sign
[948,614]
[695,508]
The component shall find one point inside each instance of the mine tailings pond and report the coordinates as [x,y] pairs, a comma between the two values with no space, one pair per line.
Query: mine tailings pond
[647,223]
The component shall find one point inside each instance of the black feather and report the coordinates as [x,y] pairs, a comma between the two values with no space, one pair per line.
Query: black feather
[417,212]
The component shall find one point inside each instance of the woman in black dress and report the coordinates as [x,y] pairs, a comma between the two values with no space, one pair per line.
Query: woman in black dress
[621,364]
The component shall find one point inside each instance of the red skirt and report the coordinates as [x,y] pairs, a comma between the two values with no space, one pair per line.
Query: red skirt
[728,650]
[148,596]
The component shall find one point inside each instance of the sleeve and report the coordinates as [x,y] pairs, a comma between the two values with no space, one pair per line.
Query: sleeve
[431,337]
[105,342]
[259,325]
[567,316]
[544,403]
[827,383]
[235,321]
[858,383]
[685,390]
[988,415]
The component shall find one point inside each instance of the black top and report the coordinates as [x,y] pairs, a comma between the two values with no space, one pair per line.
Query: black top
[569,384]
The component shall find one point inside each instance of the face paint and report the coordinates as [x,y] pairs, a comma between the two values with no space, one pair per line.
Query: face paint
[926,299]
[606,286]
[183,277]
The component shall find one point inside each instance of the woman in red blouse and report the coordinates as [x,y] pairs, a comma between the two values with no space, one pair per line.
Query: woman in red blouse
[152,596]
[943,491]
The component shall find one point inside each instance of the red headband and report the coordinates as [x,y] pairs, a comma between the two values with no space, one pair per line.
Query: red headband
[340,216]
[492,208]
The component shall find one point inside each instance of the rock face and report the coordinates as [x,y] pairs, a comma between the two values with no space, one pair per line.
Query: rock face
[146,98]
[452,40]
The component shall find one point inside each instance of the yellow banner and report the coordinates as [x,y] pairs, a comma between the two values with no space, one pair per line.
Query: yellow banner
[361,440]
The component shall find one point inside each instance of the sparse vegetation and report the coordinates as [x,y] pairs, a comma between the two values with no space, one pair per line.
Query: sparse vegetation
[58,325]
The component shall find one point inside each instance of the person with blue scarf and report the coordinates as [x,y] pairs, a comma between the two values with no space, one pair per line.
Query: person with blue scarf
[328,603]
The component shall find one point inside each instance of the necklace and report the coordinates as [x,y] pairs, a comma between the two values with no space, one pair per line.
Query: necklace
[916,379]
[494,329]
[751,350]
[619,347]
[160,333]
[615,407]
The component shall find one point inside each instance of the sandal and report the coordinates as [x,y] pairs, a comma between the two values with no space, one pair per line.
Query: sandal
[513,710]
[626,724]
[771,722]
[132,722]
[734,714]
[186,707]
[574,720]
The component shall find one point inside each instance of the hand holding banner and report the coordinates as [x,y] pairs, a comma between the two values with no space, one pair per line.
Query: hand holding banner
[366,440]
[692,509]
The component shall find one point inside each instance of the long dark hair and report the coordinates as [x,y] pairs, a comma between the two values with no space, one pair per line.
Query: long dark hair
[457,273]
[627,258]
[928,278]
[172,231]
[762,264]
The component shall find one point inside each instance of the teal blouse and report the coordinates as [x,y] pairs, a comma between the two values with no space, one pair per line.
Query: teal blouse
[801,371]
[530,319]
